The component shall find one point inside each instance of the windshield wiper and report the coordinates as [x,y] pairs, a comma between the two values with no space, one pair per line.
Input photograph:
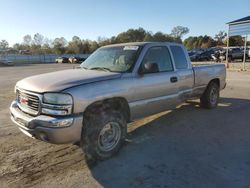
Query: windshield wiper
[101,68]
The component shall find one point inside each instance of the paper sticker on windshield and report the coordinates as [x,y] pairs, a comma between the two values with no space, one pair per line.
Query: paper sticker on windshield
[130,47]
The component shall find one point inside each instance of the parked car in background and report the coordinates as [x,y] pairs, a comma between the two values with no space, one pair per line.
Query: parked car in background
[62,60]
[193,56]
[76,59]
[216,56]
[201,54]
[6,62]
[234,54]
[205,56]
[198,50]
[247,52]
[25,52]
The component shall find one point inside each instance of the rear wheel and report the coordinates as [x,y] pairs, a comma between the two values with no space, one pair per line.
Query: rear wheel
[210,97]
[103,134]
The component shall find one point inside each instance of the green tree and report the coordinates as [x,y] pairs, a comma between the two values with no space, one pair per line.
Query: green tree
[159,37]
[18,46]
[102,41]
[86,46]
[47,46]
[199,42]
[75,45]
[131,35]
[179,31]
[220,37]
[37,42]
[236,41]
[148,37]
[59,45]
[38,39]
[27,39]
[4,44]
[93,46]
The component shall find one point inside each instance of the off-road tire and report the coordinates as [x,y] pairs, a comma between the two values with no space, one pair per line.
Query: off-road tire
[92,126]
[207,100]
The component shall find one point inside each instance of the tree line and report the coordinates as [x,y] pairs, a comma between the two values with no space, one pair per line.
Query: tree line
[38,44]
[219,40]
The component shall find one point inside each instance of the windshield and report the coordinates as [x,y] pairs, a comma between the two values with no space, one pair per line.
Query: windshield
[115,59]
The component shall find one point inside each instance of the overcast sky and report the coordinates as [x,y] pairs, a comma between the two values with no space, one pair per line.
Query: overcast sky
[90,19]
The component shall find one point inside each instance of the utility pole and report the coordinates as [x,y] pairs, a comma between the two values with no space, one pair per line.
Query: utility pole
[227,65]
[244,57]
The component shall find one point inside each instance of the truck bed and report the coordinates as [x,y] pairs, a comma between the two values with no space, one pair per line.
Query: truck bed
[204,73]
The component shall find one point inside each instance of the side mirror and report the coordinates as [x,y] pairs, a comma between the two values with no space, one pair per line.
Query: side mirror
[149,68]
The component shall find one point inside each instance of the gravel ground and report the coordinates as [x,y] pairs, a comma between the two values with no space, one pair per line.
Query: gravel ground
[185,147]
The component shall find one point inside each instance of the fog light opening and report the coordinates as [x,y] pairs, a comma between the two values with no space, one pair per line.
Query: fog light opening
[63,123]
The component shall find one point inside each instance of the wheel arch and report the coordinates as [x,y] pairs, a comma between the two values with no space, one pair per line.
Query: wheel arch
[214,80]
[117,103]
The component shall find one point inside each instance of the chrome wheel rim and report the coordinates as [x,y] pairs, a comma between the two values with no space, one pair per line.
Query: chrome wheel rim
[213,96]
[109,136]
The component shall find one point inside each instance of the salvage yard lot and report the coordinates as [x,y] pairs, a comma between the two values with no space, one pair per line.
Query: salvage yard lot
[185,147]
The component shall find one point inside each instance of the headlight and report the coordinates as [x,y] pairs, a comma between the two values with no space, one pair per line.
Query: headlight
[57,98]
[58,104]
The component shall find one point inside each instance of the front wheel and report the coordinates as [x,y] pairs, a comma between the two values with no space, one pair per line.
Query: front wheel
[210,97]
[103,135]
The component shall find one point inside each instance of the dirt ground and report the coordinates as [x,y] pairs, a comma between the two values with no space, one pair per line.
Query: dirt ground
[185,147]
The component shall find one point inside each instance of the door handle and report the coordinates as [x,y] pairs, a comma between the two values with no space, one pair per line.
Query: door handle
[173,79]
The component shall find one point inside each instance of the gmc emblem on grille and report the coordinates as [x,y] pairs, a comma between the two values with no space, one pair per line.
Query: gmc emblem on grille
[24,100]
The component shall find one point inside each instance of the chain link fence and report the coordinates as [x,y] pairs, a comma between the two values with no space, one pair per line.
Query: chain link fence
[43,58]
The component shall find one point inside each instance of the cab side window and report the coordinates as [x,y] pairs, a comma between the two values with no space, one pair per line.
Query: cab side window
[159,55]
[179,57]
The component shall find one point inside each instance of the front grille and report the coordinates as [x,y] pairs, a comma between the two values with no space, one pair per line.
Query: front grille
[28,102]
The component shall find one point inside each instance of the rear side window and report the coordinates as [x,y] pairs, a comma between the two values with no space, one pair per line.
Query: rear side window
[161,56]
[179,57]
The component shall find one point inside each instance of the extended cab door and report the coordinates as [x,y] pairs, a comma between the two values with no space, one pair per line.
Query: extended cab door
[184,71]
[157,90]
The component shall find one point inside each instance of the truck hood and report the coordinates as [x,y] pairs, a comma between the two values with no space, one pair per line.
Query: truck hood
[60,80]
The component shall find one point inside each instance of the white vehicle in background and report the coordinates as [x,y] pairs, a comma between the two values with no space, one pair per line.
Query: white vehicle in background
[247,52]
[4,61]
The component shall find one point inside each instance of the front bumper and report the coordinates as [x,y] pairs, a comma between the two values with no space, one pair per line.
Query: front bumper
[43,127]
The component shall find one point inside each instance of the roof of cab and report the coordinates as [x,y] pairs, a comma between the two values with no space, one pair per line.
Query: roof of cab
[138,44]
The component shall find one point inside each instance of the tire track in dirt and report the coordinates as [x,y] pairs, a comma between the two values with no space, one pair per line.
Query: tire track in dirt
[30,170]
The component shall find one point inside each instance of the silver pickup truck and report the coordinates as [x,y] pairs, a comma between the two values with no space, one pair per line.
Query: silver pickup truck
[117,84]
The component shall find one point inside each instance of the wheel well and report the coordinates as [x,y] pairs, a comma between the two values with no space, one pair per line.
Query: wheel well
[116,103]
[215,80]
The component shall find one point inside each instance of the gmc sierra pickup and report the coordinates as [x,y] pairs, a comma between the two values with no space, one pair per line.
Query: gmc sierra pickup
[117,84]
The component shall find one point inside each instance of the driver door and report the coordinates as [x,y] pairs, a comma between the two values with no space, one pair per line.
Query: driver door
[155,91]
